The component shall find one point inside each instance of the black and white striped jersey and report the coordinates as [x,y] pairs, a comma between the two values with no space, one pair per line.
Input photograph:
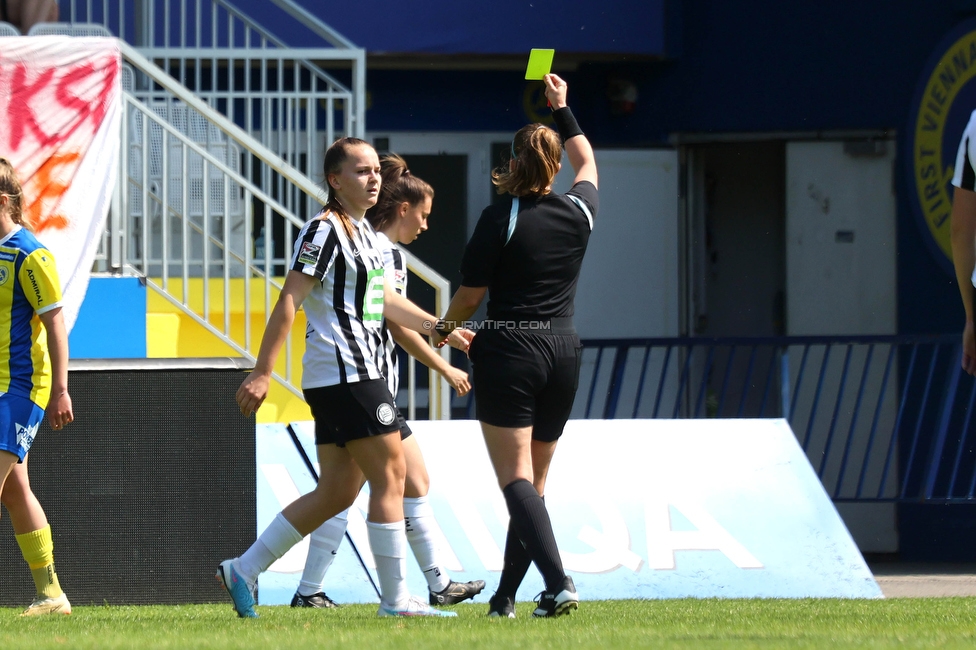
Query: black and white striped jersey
[395,264]
[344,337]
[964,175]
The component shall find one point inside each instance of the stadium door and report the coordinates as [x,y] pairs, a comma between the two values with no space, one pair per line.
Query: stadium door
[792,237]
[734,238]
[734,257]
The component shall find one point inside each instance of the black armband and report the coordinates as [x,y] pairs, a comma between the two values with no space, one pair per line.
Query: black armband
[566,123]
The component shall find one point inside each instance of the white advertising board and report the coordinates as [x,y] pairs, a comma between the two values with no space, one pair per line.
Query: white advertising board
[640,509]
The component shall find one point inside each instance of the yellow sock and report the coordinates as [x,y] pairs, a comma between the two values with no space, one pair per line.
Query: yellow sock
[37,547]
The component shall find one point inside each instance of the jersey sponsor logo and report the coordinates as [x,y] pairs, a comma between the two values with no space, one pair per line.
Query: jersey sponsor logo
[309,254]
[373,300]
[944,99]
[25,435]
[7,257]
[385,413]
[37,289]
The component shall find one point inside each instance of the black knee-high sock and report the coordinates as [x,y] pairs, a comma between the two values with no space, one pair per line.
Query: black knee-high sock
[530,519]
[517,562]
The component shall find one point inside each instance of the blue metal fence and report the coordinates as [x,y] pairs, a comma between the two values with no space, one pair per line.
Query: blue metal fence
[881,418]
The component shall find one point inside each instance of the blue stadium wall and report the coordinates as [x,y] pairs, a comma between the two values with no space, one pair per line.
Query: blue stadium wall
[699,66]
[753,66]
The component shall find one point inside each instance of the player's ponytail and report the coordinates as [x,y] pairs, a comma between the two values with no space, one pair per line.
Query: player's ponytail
[536,152]
[10,187]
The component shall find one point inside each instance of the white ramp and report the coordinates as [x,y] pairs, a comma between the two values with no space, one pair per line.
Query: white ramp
[640,508]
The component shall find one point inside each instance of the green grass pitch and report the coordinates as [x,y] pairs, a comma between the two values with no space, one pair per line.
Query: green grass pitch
[832,624]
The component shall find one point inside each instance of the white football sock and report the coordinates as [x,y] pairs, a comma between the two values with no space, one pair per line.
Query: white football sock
[389,545]
[323,544]
[274,542]
[425,536]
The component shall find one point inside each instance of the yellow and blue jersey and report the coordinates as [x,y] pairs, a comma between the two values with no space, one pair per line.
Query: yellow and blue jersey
[29,286]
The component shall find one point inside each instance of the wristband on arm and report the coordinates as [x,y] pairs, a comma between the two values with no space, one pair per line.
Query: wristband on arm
[566,123]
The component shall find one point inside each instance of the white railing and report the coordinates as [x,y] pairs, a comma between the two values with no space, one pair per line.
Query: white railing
[258,109]
[191,212]
[187,212]
[288,99]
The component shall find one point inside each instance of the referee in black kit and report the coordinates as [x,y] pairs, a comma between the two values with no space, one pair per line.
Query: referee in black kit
[526,357]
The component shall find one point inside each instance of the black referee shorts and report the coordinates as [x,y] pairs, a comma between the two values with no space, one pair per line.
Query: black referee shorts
[526,378]
[353,411]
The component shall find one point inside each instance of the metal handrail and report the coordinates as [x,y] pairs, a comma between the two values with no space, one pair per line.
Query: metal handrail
[261,270]
[277,134]
[882,418]
[264,154]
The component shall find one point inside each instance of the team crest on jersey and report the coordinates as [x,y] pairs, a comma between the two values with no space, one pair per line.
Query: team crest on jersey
[385,414]
[4,274]
[309,254]
[25,435]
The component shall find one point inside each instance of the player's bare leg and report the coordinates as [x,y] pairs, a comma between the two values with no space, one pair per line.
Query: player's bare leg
[424,535]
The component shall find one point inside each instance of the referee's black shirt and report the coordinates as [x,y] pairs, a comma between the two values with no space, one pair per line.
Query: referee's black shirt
[534,275]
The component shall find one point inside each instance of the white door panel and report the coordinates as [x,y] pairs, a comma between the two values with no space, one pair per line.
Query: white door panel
[628,287]
[840,233]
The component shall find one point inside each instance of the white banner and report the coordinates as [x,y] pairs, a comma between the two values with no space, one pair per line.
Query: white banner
[62,102]
[640,508]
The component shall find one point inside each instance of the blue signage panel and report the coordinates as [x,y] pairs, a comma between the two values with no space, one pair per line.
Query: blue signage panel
[111,323]
[640,508]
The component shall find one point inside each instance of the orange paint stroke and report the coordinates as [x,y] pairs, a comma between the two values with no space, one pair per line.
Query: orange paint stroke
[46,188]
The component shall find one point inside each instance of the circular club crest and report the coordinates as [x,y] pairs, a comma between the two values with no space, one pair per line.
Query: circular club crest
[944,100]
[385,414]
[535,104]
[3,275]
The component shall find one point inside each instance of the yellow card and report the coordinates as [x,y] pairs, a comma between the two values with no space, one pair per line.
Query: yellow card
[540,63]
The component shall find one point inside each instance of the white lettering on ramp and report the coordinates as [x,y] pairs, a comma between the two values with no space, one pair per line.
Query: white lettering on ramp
[709,535]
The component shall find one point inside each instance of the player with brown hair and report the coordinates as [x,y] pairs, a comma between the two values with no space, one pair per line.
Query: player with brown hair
[526,254]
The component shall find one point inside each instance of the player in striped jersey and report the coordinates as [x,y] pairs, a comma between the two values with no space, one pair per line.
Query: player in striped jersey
[399,216]
[33,377]
[963,235]
[337,276]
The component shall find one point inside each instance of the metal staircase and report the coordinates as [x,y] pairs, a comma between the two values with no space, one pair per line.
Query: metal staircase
[224,127]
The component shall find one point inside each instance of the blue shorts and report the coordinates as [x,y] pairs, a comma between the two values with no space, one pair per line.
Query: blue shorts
[20,419]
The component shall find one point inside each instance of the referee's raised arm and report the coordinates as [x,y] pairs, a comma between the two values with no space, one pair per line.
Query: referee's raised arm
[578,148]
